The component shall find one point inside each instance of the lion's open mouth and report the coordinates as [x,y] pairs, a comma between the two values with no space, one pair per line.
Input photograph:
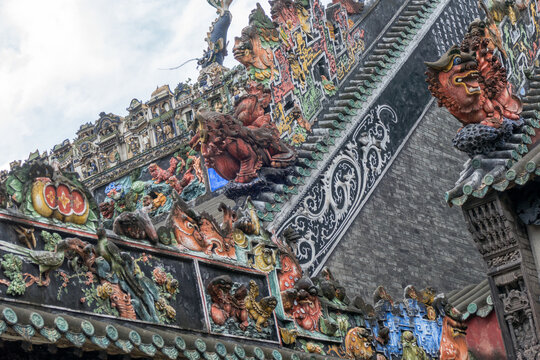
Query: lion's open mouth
[469,81]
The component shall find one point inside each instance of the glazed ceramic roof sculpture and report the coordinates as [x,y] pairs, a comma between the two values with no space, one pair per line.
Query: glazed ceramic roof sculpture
[68,284]
[500,130]
[318,78]
[217,35]
[174,281]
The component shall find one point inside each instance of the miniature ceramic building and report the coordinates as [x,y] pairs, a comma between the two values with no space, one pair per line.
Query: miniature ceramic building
[323,150]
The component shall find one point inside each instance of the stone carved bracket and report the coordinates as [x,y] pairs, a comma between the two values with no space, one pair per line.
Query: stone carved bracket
[490,228]
[515,301]
[506,258]
[499,236]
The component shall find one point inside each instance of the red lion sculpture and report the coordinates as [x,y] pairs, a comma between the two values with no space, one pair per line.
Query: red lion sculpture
[237,151]
[471,82]
[225,304]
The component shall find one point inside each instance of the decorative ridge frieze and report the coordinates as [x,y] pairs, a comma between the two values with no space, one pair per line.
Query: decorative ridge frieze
[371,138]
[381,74]
[125,167]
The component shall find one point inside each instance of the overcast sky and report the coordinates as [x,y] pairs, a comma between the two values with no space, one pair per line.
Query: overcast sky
[62,62]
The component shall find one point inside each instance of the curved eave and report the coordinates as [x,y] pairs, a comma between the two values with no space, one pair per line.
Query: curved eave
[39,327]
[473,300]
[520,171]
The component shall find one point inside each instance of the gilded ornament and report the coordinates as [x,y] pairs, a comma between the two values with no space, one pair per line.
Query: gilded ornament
[288,336]
[261,310]
[240,238]
[314,348]
[431,314]
[170,311]
[358,344]
[264,258]
[105,290]
[171,285]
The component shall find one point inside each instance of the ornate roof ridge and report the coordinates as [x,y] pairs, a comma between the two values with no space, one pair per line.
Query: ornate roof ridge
[353,100]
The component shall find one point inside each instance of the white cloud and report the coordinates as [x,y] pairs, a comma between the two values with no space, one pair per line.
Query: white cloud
[62,62]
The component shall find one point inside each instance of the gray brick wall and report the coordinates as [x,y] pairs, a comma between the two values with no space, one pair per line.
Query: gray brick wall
[406,233]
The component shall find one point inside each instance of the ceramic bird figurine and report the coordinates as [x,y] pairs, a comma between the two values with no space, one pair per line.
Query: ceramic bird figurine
[46,260]
[111,253]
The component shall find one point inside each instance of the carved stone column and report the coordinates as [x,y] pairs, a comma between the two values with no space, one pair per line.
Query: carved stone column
[503,242]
